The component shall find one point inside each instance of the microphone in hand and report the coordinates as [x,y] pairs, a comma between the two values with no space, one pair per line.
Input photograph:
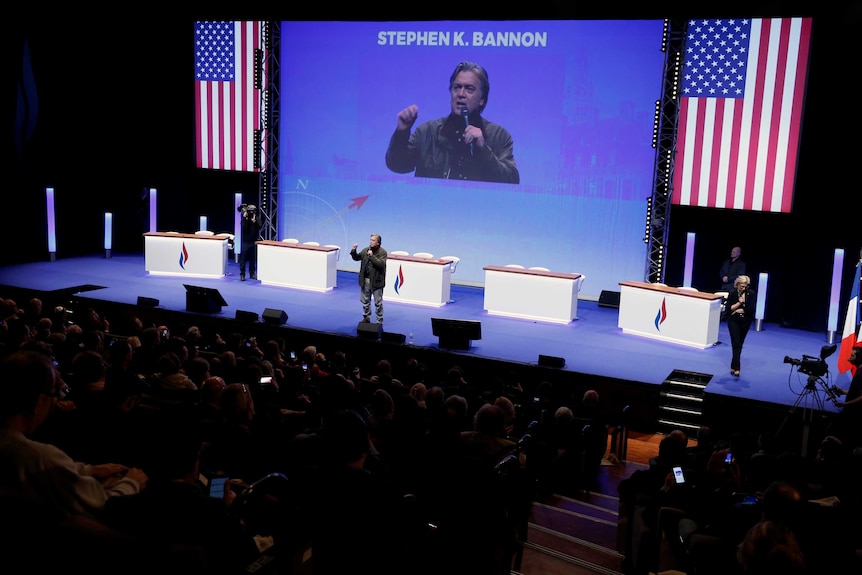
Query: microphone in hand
[466,114]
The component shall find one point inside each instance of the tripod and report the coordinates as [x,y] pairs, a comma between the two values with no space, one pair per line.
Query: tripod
[808,399]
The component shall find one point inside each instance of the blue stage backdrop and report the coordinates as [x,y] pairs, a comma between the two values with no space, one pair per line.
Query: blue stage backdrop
[578,98]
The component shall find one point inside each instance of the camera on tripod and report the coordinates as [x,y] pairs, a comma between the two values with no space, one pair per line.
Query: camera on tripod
[812,365]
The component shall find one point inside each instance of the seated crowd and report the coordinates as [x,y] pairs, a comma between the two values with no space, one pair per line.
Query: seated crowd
[390,468]
[386,469]
[745,506]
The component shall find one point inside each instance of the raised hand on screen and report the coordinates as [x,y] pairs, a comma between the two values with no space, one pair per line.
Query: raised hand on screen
[407,117]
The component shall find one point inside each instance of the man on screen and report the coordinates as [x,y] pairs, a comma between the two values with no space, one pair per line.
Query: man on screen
[460,146]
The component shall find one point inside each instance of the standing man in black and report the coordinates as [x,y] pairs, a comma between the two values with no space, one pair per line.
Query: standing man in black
[372,277]
[731,268]
[249,234]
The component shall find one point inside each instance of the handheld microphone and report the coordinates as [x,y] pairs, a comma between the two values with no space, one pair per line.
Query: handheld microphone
[466,114]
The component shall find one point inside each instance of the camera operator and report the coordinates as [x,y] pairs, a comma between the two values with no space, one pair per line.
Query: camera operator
[249,234]
[848,422]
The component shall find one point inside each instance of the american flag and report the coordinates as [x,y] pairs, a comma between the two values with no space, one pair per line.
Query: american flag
[227,106]
[743,84]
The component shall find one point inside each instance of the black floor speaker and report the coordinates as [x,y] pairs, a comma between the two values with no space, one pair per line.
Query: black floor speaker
[274,316]
[389,337]
[609,299]
[147,301]
[248,316]
[368,330]
[551,361]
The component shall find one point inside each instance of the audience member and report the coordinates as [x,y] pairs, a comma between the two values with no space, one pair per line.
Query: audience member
[175,512]
[358,520]
[169,375]
[419,391]
[88,374]
[238,448]
[41,471]
[487,440]
[770,548]
[145,357]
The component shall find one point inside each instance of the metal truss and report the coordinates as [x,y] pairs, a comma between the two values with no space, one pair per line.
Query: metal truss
[664,141]
[266,139]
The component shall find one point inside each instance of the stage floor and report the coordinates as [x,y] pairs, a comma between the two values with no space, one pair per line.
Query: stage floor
[592,344]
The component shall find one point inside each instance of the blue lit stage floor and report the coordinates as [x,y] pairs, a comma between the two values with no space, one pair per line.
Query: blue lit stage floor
[592,345]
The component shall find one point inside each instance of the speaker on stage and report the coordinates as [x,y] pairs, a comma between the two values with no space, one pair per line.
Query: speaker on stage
[147,301]
[367,330]
[247,316]
[609,299]
[455,333]
[551,361]
[203,299]
[274,316]
[389,337]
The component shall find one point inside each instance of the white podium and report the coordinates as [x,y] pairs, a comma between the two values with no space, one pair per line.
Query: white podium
[188,255]
[297,265]
[670,314]
[531,294]
[418,281]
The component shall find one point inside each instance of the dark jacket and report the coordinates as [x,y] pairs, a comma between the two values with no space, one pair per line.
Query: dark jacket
[377,268]
[748,307]
[436,150]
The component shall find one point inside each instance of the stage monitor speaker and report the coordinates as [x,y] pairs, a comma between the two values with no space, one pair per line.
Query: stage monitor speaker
[274,316]
[609,299]
[551,361]
[367,330]
[147,301]
[247,316]
[388,337]
[203,299]
[456,333]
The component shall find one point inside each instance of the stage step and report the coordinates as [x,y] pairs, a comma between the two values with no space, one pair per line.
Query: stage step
[681,401]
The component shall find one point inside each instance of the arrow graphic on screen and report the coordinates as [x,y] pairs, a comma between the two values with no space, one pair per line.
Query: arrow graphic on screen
[354,203]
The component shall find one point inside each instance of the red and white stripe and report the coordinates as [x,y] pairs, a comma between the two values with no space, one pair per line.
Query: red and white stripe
[228,113]
[742,153]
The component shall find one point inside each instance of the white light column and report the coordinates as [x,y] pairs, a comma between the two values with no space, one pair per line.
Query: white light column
[153,202]
[109,233]
[52,229]
[760,308]
[237,226]
[834,296]
[689,259]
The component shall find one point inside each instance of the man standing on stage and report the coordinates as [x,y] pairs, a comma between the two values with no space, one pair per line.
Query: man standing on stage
[249,234]
[372,277]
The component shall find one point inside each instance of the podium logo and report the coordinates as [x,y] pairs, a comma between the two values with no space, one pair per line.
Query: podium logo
[184,257]
[399,281]
[661,315]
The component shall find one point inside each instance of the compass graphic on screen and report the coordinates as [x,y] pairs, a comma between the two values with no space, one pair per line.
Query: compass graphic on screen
[311,218]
